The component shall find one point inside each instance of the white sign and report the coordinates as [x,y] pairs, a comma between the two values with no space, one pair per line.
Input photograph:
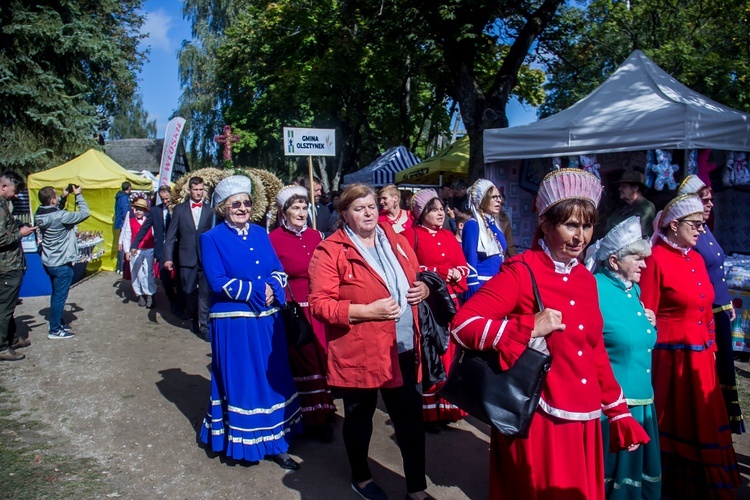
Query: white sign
[309,141]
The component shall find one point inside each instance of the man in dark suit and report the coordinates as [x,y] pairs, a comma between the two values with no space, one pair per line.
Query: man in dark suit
[323,218]
[189,220]
[159,218]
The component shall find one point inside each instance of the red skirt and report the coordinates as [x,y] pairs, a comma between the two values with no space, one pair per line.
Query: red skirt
[309,365]
[560,460]
[698,459]
[435,409]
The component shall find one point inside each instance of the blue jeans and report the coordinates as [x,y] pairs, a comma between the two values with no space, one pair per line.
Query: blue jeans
[61,277]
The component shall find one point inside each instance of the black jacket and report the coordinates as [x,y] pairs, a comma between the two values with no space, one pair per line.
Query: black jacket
[435,315]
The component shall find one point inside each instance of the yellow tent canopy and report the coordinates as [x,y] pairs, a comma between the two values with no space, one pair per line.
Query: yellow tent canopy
[448,165]
[101,178]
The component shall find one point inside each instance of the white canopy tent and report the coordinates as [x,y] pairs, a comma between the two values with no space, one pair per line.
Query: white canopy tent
[381,171]
[639,107]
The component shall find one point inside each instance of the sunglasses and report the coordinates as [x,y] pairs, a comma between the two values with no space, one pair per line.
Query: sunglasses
[695,225]
[237,204]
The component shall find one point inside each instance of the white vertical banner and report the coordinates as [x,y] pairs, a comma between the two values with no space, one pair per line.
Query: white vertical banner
[169,152]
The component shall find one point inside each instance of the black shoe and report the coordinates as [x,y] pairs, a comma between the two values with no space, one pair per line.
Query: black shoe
[371,491]
[432,427]
[287,463]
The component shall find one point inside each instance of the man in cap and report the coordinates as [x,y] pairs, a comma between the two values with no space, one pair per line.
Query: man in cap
[631,187]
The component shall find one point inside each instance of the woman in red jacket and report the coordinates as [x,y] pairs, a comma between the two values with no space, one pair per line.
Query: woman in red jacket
[438,250]
[563,457]
[363,288]
[697,456]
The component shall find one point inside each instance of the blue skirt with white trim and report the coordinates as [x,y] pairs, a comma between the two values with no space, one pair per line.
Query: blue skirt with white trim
[254,406]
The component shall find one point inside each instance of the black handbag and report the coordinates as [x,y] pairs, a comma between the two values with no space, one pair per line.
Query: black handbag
[299,331]
[504,399]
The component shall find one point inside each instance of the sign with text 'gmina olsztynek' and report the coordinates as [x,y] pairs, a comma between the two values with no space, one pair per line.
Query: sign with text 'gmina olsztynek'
[309,142]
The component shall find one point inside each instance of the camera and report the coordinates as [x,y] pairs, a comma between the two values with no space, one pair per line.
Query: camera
[70,187]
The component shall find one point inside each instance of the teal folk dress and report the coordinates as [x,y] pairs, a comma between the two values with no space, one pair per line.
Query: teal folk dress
[629,338]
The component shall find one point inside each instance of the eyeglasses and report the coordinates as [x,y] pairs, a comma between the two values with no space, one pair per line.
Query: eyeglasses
[237,204]
[497,197]
[695,225]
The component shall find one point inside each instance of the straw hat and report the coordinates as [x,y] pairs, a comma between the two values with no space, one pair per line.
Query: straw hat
[140,204]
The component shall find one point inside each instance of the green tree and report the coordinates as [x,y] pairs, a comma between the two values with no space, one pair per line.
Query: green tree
[203,98]
[704,45]
[485,49]
[132,122]
[65,68]
[353,67]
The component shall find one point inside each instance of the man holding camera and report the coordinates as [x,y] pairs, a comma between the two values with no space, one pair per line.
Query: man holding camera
[59,251]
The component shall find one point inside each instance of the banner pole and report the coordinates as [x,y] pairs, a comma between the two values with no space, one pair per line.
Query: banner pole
[311,188]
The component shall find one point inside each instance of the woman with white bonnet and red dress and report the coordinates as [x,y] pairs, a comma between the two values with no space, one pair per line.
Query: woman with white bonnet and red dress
[697,456]
[294,242]
[437,250]
[563,455]
[724,313]
[483,242]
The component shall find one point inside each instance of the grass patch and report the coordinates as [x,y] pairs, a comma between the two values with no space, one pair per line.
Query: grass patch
[30,468]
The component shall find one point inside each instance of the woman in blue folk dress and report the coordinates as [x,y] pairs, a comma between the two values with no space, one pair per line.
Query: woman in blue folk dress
[629,338]
[254,405]
[482,241]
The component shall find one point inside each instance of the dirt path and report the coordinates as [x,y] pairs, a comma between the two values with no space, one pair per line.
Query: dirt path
[132,385]
[129,390]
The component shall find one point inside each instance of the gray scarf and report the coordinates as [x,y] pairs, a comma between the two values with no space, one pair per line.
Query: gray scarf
[386,265]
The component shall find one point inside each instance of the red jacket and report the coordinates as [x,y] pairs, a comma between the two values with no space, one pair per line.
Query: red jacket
[361,355]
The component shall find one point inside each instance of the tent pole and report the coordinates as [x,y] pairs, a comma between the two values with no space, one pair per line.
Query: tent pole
[311,188]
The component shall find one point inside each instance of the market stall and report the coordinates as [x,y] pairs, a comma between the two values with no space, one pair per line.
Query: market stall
[381,172]
[449,164]
[101,178]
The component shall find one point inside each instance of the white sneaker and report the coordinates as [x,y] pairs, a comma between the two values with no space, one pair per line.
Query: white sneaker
[60,334]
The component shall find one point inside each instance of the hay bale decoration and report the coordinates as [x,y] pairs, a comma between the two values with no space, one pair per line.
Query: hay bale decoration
[265,187]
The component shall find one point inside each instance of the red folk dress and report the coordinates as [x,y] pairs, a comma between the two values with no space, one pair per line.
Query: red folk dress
[563,457]
[309,363]
[698,459]
[439,251]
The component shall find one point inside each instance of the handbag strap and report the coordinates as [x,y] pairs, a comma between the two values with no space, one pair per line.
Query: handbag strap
[534,287]
[290,292]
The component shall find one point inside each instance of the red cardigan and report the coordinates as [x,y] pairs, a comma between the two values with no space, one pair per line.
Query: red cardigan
[677,288]
[581,384]
[361,355]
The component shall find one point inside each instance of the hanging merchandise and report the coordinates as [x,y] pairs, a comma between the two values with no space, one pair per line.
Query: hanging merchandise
[735,171]
[590,165]
[660,170]
[692,166]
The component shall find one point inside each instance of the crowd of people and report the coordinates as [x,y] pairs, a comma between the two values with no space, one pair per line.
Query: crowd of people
[640,402]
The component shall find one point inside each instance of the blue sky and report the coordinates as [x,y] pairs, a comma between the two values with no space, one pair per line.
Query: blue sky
[159,82]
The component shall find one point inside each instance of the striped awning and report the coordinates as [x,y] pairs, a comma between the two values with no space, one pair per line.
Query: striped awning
[381,172]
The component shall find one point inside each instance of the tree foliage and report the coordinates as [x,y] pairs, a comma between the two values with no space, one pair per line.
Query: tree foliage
[203,98]
[65,68]
[702,44]
[383,73]
[132,122]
